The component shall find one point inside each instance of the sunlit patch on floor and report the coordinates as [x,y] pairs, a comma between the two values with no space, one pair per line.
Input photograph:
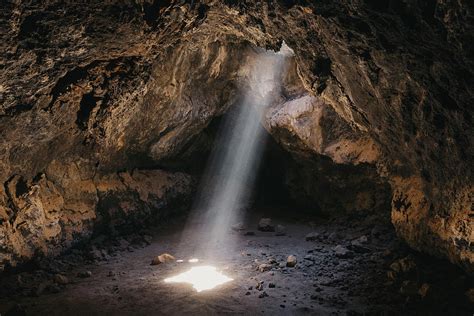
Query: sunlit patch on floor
[202,278]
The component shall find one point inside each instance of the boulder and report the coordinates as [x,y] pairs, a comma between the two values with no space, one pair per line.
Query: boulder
[343,252]
[265,225]
[313,236]
[264,267]
[280,230]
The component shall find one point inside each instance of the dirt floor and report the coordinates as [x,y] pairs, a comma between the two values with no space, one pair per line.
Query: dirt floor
[350,266]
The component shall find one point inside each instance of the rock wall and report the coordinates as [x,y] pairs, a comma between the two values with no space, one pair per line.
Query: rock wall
[333,169]
[64,206]
[396,71]
[124,84]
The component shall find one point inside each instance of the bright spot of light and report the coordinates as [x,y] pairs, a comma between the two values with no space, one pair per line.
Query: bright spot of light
[194,260]
[202,278]
[180,260]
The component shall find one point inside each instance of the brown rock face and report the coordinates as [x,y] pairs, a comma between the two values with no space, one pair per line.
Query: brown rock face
[334,164]
[87,92]
[45,215]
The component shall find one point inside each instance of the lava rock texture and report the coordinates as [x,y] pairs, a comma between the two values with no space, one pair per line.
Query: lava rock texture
[91,92]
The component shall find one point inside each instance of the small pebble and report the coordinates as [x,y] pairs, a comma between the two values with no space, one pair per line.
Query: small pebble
[60,279]
[291,261]
[84,274]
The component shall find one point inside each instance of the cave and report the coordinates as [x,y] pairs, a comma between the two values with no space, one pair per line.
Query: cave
[282,157]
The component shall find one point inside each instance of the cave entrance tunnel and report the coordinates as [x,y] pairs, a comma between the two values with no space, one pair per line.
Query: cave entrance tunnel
[315,238]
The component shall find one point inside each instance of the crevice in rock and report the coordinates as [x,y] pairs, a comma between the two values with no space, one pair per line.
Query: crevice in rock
[153,9]
[17,109]
[64,83]
[87,105]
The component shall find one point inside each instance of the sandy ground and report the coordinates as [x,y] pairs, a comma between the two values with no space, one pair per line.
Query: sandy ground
[325,281]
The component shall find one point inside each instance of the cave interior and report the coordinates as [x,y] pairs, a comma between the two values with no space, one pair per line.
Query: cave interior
[118,120]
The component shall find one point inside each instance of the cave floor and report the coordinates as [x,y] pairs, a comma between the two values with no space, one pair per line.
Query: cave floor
[344,271]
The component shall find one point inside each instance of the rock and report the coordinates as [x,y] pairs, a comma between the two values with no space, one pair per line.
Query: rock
[291,261]
[358,248]
[470,295]
[84,274]
[95,253]
[61,279]
[263,294]
[358,245]
[424,290]
[271,285]
[123,243]
[313,236]
[163,258]
[335,236]
[148,239]
[265,267]
[265,225]
[362,240]
[272,261]
[342,252]
[259,286]
[309,258]
[247,293]
[50,197]
[392,275]
[280,230]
